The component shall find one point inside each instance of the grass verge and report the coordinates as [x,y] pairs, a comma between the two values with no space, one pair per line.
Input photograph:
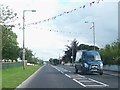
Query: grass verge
[12,77]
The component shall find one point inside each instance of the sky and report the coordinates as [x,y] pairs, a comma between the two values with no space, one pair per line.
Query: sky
[48,39]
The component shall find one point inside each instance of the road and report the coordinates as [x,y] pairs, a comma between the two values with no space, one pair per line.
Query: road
[63,76]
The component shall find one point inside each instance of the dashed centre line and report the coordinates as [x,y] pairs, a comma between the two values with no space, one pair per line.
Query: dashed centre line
[80,79]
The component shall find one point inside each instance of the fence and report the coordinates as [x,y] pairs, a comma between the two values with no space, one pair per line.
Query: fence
[11,65]
[112,67]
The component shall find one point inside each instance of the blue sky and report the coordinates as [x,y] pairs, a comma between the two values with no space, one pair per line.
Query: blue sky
[46,43]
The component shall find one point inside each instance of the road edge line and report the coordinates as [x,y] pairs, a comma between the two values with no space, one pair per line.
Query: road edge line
[28,79]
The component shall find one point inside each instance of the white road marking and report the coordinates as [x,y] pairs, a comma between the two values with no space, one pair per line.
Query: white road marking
[94,86]
[79,82]
[62,72]
[67,75]
[24,84]
[81,79]
[80,75]
[85,81]
[98,82]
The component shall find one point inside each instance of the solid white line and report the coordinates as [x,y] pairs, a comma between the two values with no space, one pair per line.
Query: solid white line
[85,81]
[79,83]
[62,72]
[80,75]
[67,75]
[98,82]
[25,82]
[94,85]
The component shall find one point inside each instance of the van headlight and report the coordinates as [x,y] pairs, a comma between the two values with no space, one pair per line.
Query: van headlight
[86,65]
[101,65]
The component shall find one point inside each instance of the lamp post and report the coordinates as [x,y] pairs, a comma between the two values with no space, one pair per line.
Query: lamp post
[93,27]
[23,58]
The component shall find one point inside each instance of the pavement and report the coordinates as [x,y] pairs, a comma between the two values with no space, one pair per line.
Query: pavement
[110,72]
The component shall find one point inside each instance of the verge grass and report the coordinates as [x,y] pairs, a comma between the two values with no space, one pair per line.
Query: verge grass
[12,77]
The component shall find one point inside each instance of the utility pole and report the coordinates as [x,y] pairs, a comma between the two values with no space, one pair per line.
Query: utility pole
[93,27]
[72,56]
[23,56]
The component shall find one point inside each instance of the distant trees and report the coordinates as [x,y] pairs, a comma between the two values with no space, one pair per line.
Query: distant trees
[54,61]
[70,53]
[86,47]
[110,53]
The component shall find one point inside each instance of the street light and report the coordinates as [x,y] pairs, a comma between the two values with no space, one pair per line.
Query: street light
[24,36]
[93,27]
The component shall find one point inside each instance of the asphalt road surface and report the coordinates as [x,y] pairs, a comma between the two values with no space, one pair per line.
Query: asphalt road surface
[63,76]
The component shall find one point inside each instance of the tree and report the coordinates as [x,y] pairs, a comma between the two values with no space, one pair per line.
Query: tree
[110,53]
[74,45]
[73,48]
[28,55]
[54,61]
[6,15]
[10,47]
[71,51]
[87,47]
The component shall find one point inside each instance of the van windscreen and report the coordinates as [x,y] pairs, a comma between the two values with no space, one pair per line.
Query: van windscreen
[91,56]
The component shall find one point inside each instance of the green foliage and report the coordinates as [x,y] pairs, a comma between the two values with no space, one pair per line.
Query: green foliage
[10,47]
[71,50]
[110,53]
[28,56]
[54,61]
[86,47]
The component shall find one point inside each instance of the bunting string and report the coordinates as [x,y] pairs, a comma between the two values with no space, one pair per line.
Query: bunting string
[59,15]
[54,17]
[64,32]
[64,13]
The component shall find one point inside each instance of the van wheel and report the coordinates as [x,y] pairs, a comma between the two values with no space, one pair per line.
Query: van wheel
[82,72]
[76,70]
[101,73]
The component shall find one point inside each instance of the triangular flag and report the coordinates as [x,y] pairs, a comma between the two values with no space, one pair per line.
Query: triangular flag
[84,6]
[93,2]
[98,1]
[90,4]
[74,9]
[67,12]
